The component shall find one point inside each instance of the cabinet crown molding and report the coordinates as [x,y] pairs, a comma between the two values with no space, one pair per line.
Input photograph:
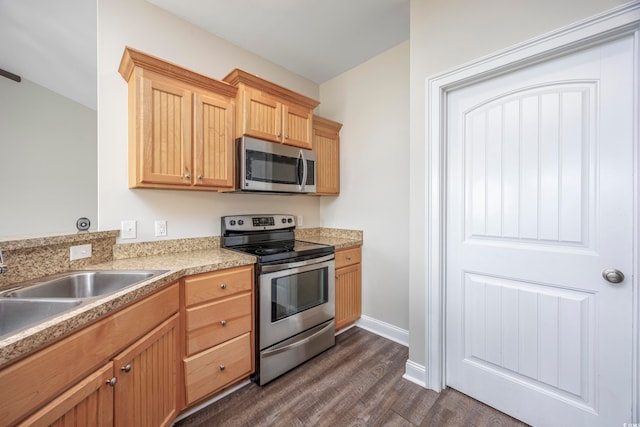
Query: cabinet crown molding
[239,76]
[323,122]
[132,58]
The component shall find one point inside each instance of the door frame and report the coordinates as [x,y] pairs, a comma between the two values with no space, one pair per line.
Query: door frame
[612,24]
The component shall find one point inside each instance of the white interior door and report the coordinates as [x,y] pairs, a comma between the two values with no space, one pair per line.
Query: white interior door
[539,203]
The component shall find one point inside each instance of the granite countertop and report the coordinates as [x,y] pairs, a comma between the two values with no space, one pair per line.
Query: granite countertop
[144,257]
[178,265]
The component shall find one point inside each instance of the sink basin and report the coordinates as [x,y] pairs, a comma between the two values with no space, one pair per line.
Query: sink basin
[16,314]
[82,284]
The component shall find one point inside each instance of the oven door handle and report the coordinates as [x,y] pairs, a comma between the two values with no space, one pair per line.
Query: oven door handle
[279,267]
[277,350]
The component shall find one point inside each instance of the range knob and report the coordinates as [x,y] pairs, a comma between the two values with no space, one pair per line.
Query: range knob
[290,220]
[284,220]
[240,222]
[232,222]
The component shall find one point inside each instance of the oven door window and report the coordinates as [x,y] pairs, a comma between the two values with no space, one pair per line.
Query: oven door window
[298,292]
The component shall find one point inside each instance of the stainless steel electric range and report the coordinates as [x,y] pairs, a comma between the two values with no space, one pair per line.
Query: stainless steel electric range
[295,291]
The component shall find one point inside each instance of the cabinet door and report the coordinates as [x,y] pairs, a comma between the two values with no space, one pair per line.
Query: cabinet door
[298,126]
[327,148]
[348,295]
[213,141]
[262,116]
[88,403]
[146,391]
[165,126]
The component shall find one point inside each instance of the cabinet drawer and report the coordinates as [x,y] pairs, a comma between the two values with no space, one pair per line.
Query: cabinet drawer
[208,286]
[213,369]
[348,257]
[211,324]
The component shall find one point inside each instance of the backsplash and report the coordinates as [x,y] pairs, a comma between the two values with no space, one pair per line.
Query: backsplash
[32,257]
[302,233]
[161,247]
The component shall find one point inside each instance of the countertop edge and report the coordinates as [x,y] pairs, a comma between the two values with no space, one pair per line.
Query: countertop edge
[31,339]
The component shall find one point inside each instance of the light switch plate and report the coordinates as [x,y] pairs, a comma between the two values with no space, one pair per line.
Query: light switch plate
[128,229]
[299,221]
[80,252]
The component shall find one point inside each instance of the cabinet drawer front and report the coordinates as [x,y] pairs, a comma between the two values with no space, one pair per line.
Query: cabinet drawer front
[208,286]
[210,324]
[348,257]
[213,369]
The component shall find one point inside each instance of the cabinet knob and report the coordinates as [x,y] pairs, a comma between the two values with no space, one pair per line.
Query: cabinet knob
[187,176]
[126,368]
[223,322]
[112,382]
[223,286]
[286,137]
[200,177]
[222,367]
[348,258]
[279,135]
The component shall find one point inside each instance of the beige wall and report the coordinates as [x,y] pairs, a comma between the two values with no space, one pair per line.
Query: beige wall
[47,160]
[372,101]
[145,27]
[445,34]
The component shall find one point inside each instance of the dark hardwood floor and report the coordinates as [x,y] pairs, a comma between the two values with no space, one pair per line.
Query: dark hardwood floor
[356,383]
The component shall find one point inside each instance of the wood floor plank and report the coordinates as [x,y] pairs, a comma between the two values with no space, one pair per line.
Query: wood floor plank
[356,383]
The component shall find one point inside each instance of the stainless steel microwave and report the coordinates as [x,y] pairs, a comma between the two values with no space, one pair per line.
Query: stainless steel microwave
[272,167]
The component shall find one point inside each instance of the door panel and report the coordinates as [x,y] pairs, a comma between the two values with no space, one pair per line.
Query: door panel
[539,202]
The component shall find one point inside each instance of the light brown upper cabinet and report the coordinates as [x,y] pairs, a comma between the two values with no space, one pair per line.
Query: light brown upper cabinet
[268,111]
[180,126]
[326,144]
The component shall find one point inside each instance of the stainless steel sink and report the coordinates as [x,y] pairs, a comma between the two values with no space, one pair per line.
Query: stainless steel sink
[17,314]
[82,284]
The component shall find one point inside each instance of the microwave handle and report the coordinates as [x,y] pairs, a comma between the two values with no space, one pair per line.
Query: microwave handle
[302,170]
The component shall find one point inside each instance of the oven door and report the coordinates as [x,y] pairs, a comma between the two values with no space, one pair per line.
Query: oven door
[295,297]
[267,166]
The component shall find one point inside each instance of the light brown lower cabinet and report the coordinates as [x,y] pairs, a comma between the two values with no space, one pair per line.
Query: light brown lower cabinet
[348,286]
[141,391]
[147,378]
[218,320]
[88,403]
[70,382]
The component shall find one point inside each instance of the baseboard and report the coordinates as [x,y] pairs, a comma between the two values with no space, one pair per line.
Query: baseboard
[415,373]
[196,408]
[401,336]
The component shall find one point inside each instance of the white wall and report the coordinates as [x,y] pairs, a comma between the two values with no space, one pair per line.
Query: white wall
[143,26]
[47,160]
[445,34]
[372,102]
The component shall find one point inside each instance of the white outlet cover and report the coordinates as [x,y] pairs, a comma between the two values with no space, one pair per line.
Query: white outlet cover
[80,252]
[161,227]
[299,221]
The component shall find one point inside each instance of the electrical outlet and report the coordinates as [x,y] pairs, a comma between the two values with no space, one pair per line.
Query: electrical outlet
[299,221]
[79,252]
[128,229]
[161,227]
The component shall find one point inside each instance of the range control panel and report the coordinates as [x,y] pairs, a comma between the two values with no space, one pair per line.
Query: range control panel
[257,222]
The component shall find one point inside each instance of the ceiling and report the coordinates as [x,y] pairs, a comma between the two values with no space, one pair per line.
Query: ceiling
[317,39]
[54,43]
